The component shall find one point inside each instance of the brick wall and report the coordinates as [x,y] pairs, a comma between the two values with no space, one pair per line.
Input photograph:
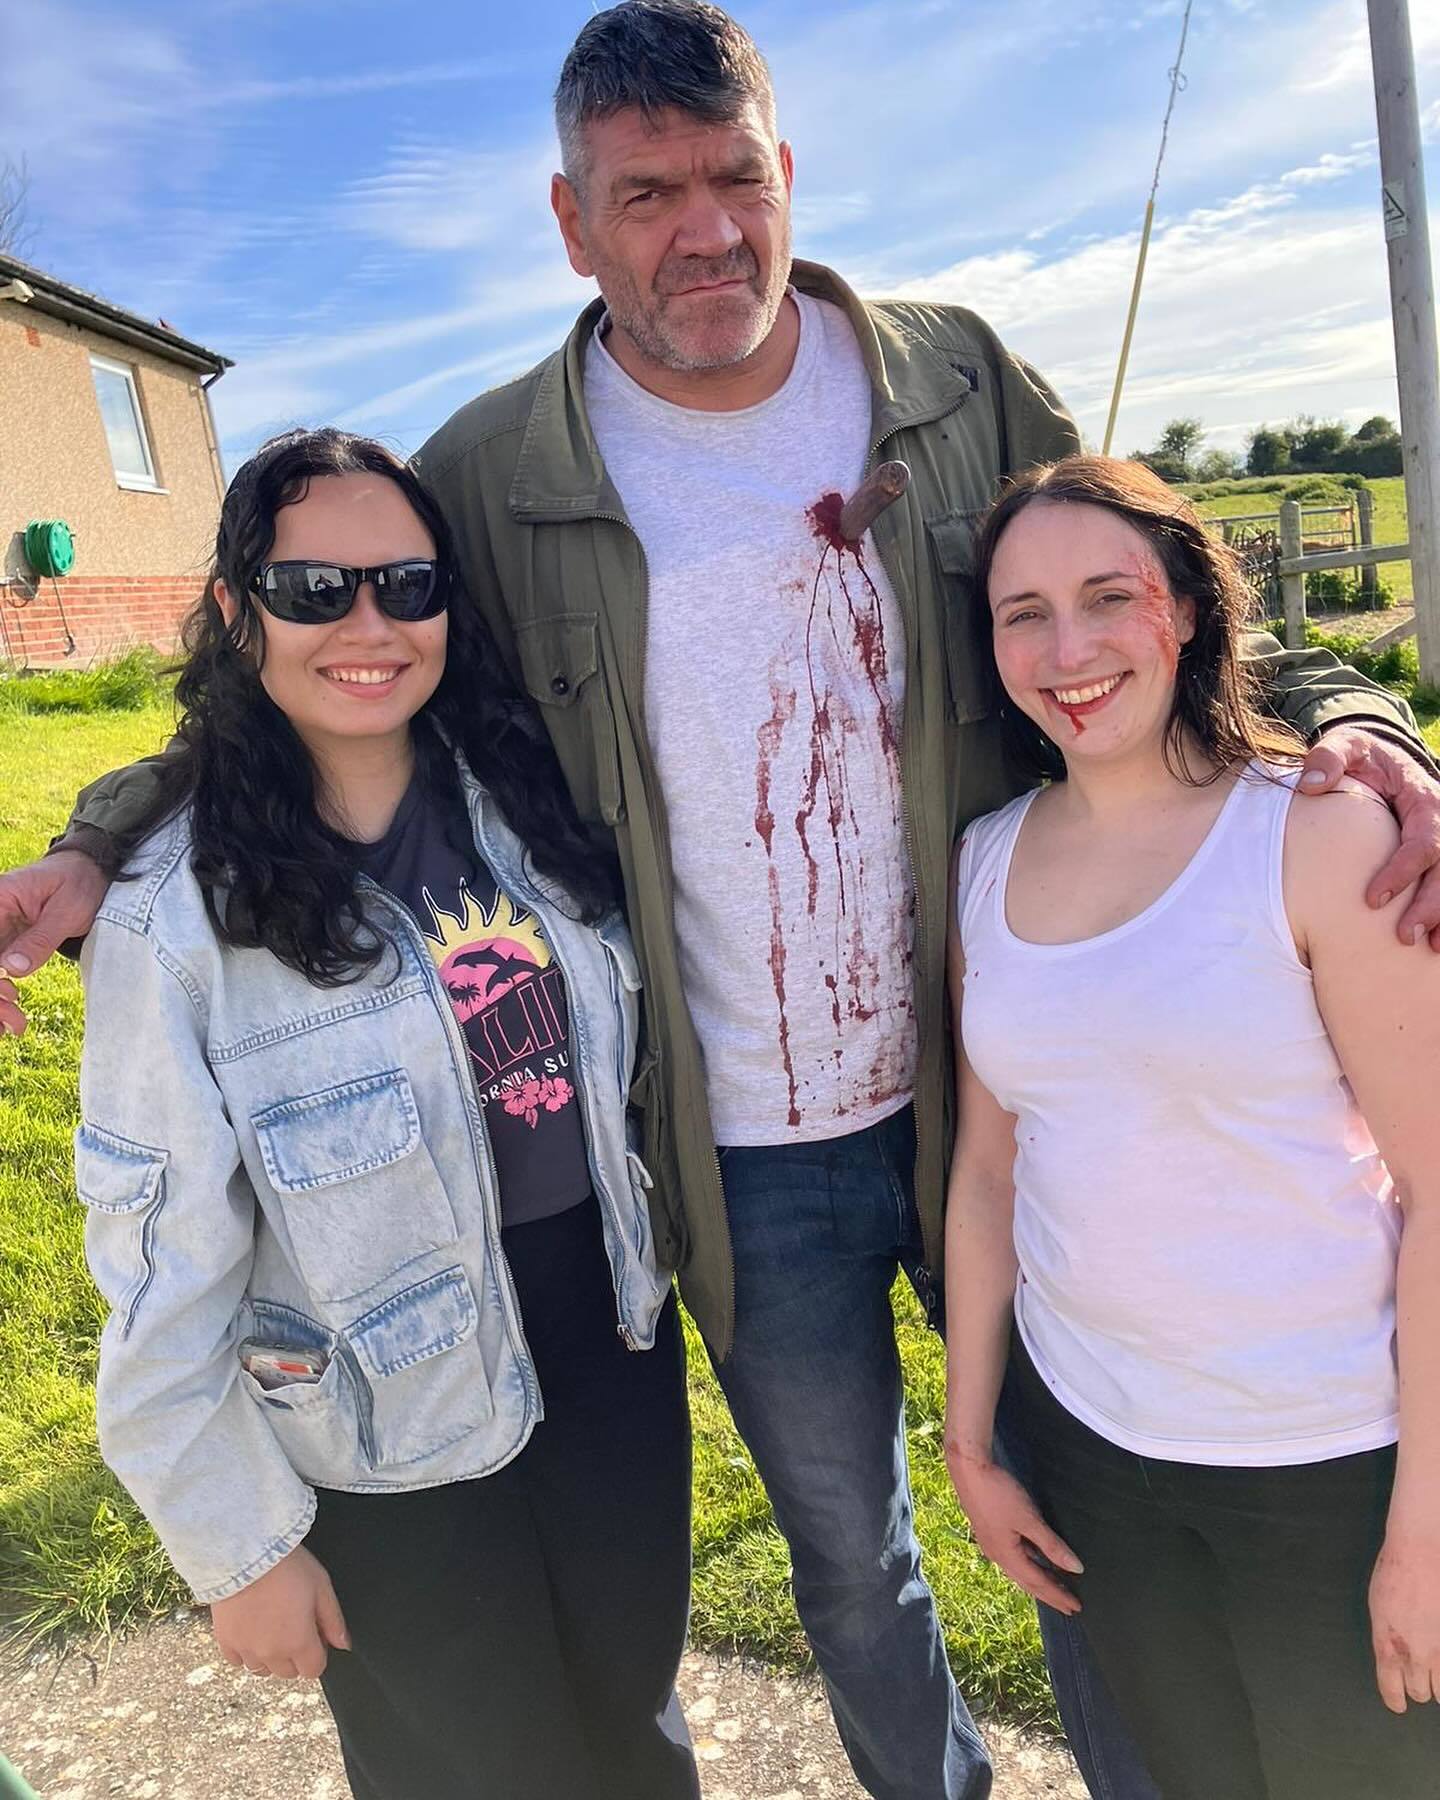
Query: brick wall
[106,615]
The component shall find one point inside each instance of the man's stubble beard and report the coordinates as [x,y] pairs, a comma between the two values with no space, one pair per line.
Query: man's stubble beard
[645,325]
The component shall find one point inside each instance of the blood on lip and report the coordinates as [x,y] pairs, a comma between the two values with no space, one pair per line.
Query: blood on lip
[1075,711]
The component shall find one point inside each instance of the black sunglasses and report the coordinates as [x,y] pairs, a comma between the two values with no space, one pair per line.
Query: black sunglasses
[318,593]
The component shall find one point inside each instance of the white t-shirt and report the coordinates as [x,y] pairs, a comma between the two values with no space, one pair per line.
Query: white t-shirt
[1206,1234]
[774,688]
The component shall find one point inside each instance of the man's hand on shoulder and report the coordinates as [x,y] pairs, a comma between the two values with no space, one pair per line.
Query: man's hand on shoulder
[42,906]
[1413,795]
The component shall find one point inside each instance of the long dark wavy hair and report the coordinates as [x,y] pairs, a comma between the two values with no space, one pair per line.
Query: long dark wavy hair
[275,873]
[1218,705]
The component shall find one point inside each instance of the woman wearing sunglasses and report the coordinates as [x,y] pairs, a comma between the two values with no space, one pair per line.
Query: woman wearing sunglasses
[389,1366]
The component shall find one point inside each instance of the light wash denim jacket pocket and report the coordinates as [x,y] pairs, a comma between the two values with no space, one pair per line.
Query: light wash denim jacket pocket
[335,1159]
[120,1179]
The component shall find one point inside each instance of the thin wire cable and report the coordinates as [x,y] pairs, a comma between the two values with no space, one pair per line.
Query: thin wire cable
[1178,84]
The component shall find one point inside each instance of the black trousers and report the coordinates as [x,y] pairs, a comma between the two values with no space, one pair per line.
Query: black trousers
[517,1637]
[1228,1610]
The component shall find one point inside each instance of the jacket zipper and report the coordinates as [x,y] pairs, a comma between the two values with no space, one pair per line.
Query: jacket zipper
[485,1171]
[580,1052]
[921,939]
[623,1065]
[580,1055]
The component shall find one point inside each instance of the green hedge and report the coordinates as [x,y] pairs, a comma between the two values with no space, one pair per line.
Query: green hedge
[133,681]
[1288,487]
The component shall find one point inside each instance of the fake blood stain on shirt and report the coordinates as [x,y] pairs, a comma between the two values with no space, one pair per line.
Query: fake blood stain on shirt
[845,607]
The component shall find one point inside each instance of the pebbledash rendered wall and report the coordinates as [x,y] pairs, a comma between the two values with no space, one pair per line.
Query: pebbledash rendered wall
[140,557]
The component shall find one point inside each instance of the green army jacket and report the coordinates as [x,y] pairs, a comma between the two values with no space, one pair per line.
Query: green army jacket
[547,553]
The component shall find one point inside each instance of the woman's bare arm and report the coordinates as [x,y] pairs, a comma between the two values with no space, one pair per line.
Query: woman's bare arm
[1382,1011]
[980,1270]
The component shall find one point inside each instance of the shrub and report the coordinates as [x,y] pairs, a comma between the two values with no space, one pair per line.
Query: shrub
[1317,443]
[1269,452]
[1167,467]
[1397,666]
[1324,445]
[1342,590]
[1300,487]
[1219,465]
[1379,456]
[125,685]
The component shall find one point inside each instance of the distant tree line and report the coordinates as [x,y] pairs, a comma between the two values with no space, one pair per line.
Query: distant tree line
[1305,446]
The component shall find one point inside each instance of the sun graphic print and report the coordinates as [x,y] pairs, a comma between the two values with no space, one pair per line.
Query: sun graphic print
[483,955]
[487,955]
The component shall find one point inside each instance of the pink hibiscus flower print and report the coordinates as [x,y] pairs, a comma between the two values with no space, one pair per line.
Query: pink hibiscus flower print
[524,1102]
[560,1093]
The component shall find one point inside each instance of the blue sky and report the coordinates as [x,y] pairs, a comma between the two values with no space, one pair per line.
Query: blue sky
[349,197]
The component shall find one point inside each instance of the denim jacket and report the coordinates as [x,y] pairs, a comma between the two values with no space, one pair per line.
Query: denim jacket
[269,1160]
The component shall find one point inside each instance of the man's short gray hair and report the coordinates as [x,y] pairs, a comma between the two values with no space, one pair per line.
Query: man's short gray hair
[654,54]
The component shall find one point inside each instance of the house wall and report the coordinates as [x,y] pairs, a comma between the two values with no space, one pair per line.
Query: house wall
[140,558]
[104,617]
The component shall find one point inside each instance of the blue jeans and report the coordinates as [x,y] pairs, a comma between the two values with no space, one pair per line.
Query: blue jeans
[814,1384]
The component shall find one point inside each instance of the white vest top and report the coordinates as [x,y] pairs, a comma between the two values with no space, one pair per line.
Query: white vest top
[1207,1236]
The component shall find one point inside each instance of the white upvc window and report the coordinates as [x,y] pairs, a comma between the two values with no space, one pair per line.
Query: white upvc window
[124,422]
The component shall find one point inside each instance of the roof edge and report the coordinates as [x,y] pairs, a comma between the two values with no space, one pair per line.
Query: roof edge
[60,300]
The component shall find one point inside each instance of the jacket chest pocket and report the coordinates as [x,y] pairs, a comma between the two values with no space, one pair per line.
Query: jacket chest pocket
[560,661]
[968,682]
[359,1193]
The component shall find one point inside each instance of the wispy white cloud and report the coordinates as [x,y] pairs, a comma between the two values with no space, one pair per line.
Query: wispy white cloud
[494,366]
[1333,165]
[385,264]
[1337,55]
[1253,308]
[248,406]
[365,81]
[319,372]
[83,90]
[1051,113]
[431,196]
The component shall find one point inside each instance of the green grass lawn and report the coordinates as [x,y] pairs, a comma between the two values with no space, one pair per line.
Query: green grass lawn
[72,1548]
[73,1551]
[1390,525]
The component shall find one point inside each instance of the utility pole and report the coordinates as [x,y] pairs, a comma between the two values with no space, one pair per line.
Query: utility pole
[1412,306]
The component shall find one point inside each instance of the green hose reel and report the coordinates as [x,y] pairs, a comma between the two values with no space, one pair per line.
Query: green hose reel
[49,547]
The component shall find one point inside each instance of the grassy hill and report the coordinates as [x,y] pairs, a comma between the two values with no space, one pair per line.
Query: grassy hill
[1225,500]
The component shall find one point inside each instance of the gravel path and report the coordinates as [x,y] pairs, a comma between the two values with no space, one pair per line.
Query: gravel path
[158,1716]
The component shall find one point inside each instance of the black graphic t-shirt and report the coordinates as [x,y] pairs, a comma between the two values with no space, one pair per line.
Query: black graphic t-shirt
[507,992]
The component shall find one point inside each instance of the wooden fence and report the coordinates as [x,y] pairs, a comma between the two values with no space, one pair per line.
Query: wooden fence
[1295,563]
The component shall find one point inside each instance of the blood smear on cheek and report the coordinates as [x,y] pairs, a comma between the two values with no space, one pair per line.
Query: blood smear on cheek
[1155,607]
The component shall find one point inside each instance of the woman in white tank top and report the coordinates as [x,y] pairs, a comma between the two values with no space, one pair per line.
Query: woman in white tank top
[1195,1199]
